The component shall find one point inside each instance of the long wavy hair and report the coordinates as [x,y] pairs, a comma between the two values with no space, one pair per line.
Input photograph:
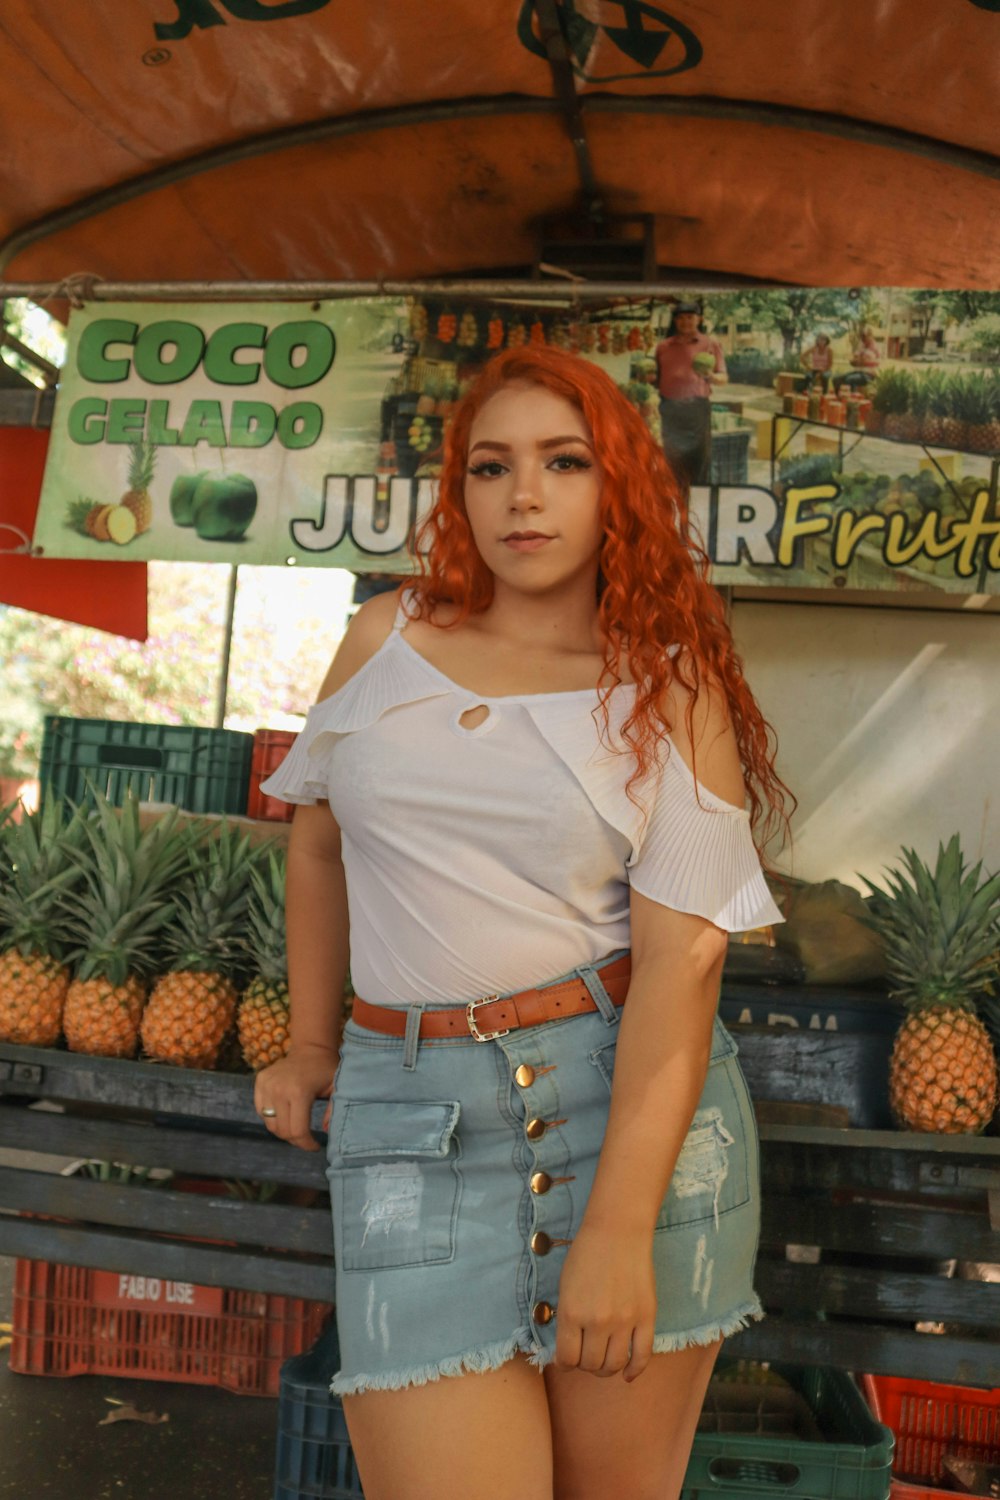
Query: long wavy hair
[653,591]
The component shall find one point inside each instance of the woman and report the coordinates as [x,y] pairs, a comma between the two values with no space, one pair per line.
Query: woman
[865,358]
[688,365]
[552,1181]
[818,360]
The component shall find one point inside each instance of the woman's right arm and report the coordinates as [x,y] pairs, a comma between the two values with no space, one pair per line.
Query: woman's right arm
[317,925]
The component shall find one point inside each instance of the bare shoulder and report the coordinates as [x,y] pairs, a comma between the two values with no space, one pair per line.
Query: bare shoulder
[368,630]
[702,731]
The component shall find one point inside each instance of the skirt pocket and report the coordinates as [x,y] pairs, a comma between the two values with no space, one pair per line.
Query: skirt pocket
[712,1174]
[395,1183]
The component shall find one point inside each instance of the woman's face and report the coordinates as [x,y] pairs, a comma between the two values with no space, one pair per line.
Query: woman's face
[533,489]
[686,324]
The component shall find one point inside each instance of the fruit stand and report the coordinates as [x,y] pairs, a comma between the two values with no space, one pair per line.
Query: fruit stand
[872,1237]
[856,1221]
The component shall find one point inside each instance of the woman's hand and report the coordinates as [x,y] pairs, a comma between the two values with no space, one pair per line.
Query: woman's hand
[607,1304]
[291,1086]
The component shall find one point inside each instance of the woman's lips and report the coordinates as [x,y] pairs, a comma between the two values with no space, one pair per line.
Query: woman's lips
[526,543]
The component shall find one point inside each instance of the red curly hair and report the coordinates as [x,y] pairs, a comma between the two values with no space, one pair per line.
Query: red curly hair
[653,589]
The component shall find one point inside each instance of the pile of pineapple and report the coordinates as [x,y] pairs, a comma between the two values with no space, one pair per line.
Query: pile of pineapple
[170,938]
[941,932]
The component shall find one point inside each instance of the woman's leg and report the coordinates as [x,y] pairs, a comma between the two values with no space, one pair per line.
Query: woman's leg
[464,1437]
[610,1438]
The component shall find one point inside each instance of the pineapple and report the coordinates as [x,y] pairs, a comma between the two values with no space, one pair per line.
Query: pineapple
[912,418]
[993,430]
[262,1021]
[940,931]
[129,876]
[39,874]
[892,397]
[193,1006]
[137,499]
[263,1017]
[78,514]
[96,522]
[932,428]
[955,424]
[979,413]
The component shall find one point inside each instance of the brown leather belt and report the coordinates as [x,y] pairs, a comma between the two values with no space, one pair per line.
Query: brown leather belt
[485,1020]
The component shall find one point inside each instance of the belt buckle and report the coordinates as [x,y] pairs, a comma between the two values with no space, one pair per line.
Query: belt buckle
[470,1009]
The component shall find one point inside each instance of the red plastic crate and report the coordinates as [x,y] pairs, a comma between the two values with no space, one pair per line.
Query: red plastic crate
[69,1320]
[270,746]
[932,1422]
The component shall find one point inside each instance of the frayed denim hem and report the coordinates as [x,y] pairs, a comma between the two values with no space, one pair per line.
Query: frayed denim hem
[708,1333]
[472,1362]
[492,1356]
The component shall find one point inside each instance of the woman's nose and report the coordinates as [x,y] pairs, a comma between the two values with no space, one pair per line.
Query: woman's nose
[525,485]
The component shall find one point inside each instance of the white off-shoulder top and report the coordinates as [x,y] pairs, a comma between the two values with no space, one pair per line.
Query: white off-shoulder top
[482,861]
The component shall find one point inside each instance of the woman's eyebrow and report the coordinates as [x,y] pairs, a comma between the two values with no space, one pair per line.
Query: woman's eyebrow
[554,442]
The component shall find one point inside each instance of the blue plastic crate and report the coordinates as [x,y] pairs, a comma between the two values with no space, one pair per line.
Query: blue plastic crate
[202,770]
[314,1460]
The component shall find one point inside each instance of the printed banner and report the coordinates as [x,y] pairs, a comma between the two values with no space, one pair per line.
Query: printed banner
[830,437]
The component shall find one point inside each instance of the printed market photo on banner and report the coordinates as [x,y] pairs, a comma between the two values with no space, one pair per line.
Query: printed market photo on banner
[837,437]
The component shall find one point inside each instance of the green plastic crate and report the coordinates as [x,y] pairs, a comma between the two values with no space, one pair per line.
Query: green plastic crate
[851,1462]
[203,770]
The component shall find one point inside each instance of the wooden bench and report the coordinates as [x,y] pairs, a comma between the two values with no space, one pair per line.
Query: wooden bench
[873,1213]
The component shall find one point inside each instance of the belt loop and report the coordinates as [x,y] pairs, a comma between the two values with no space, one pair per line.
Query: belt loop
[411,1036]
[599,994]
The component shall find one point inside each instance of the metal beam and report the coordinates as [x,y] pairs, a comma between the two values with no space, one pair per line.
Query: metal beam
[564,82]
[557,292]
[742,112]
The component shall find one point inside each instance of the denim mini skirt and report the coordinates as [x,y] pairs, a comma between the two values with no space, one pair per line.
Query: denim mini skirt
[459,1173]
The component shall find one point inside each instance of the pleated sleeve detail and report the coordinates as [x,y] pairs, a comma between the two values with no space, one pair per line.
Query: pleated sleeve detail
[387,680]
[693,852]
[697,855]
[602,771]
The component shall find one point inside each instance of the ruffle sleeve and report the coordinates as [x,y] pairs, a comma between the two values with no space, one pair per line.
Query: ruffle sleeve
[697,855]
[303,776]
[387,680]
[693,851]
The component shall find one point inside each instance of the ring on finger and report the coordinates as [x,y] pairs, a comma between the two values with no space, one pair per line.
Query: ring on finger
[269,1114]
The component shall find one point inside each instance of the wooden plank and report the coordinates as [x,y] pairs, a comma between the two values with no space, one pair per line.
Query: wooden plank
[878,1229]
[791,1167]
[865,1292]
[874,1350]
[277,1226]
[829,1067]
[255,1157]
[47,1073]
[150,1255]
[895,1140]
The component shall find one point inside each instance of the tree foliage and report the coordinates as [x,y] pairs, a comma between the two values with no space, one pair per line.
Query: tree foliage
[796,313]
[276,665]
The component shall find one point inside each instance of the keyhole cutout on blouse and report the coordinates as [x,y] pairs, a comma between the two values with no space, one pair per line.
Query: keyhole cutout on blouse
[473,717]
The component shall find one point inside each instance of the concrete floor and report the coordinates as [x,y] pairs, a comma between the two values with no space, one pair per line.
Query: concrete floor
[216,1446]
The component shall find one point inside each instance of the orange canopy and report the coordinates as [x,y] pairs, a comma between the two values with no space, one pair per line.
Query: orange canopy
[825,142]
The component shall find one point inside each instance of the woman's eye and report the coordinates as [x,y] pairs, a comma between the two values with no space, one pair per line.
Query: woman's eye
[567,462]
[488,469]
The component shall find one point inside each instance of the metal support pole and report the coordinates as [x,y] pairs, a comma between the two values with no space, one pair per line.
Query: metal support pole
[556,291]
[227,646]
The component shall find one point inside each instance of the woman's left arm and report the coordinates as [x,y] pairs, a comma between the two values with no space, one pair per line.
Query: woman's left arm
[607,1293]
